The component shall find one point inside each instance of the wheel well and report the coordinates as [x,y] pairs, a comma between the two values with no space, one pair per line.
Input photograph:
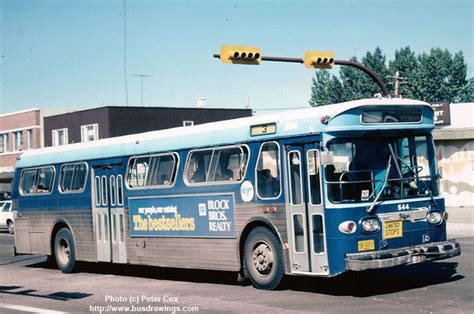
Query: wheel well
[9,220]
[246,231]
[58,226]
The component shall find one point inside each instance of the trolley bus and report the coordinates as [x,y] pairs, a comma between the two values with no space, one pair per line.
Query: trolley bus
[314,192]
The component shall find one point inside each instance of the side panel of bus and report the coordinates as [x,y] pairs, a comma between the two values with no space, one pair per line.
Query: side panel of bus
[112,231]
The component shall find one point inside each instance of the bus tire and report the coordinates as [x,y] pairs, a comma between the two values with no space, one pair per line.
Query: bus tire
[65,251]
[263,259]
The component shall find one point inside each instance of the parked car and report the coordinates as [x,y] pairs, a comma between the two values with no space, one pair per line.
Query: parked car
[6,216]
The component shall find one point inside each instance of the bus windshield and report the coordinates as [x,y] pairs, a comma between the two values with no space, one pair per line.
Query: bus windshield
[364,169]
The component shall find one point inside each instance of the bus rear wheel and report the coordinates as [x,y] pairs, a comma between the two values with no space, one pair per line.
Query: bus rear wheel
[65,251]
[263,259]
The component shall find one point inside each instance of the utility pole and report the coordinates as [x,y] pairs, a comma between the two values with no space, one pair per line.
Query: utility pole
[397,81]
[141,76]
[125,50]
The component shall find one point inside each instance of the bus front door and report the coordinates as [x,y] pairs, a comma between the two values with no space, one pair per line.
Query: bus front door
[109,214]
[305,214]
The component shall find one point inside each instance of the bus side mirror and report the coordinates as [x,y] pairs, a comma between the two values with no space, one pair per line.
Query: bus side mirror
[327,158]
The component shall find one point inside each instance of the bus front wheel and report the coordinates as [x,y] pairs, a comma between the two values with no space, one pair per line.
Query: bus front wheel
[64,251]
[263,259]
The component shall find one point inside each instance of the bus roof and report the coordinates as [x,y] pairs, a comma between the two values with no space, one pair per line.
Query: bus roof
[288,123]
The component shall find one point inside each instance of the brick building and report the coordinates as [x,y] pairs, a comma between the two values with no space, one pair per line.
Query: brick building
[19,131]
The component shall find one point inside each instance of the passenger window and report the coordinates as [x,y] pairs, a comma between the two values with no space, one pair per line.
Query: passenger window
[73,177]
[224,165]
[138,168]
[198,166]
[152,171]
[268,171]
[37,181]
[162,170]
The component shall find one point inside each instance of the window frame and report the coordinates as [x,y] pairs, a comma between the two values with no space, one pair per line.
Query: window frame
[17,135]
[60,180]
[55,136]
[96,132]
[37,193]
[279,171]
[161,186]
[29,133]
[4,140]
[226,182]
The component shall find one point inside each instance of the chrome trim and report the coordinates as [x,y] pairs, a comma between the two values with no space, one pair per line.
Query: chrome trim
[417,214]
[403,256]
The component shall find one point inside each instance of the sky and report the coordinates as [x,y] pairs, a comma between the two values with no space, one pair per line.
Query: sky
[71,54]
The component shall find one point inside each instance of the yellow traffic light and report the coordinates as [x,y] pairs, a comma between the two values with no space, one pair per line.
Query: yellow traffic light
[319,59]
[240,55]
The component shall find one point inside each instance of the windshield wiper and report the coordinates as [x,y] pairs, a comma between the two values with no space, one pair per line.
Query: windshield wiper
[387,170]
[415,172]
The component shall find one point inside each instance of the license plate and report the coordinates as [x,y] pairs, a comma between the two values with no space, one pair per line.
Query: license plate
[366,245]
[392,229]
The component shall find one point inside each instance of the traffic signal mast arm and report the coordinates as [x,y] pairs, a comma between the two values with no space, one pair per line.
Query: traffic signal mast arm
[336,62]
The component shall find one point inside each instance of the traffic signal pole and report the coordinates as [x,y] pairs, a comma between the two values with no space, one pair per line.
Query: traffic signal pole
[359,66]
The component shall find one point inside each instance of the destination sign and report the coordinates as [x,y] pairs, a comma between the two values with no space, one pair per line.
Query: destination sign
[263,129]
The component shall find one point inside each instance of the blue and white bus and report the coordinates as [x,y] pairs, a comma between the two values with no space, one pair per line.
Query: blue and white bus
[314,192]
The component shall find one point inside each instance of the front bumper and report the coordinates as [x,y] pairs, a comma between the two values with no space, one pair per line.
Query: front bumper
[403,256]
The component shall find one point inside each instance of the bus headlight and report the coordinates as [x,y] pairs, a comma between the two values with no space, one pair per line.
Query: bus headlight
[370,225]
[434,218]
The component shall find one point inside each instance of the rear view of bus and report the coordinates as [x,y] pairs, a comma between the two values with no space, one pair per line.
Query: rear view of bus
[381,188]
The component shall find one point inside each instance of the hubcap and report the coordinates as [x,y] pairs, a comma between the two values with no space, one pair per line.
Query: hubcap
[262,258]
[64,251]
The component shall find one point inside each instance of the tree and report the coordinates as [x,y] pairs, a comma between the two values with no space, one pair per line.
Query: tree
[466,94]
[376,63]
[434,76]
[319,89]
[458,83]
[352,82]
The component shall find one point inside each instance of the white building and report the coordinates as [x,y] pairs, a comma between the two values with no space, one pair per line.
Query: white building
[455,151]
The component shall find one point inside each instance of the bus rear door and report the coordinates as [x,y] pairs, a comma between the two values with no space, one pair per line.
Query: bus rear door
[109,214]
[305,216]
